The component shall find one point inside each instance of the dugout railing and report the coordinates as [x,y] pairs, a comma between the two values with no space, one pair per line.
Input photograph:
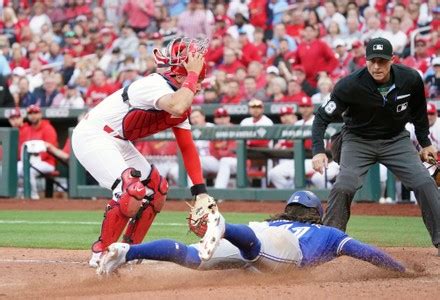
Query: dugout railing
[78,188]
[8,167]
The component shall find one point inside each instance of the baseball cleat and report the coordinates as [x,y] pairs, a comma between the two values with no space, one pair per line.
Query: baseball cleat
[113,259]
[214,233]
[94,260]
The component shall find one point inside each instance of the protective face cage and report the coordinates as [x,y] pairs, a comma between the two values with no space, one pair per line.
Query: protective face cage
[177,51]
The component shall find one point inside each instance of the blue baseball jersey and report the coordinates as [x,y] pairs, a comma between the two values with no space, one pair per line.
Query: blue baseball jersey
[318,243]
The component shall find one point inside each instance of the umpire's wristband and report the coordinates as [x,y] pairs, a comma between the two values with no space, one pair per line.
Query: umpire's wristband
[198,189]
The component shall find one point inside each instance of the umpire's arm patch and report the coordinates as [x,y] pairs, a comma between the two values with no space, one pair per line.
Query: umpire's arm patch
[330,107]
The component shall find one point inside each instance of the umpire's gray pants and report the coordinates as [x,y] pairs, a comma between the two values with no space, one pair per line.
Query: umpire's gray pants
[397,154]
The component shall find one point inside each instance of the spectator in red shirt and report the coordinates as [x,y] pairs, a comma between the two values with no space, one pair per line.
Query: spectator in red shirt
[107,36]
[139,13]
[294,92]
[18,59]
[224,151]
[258,13]
[358,60]
[39,132]
[249,52]
[435,23]
[232,95]
[294,22]
[344,57]
[78,49]
[99,89]
[299,73]
[214,55]
[220,26]
[82,8]
[315,55]
[9,25]
[230,62]
[259,43]
[256,70]
[421,59]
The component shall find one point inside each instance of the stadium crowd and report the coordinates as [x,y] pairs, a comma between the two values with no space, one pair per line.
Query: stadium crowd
[74,53]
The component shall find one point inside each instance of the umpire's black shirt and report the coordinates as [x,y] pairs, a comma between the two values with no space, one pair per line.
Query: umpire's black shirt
[370,115]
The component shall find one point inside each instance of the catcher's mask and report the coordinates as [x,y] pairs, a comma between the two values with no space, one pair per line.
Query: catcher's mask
[176,53]
[433,167]
[307,199]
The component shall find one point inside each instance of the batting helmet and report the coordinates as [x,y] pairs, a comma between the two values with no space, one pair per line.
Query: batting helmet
[307,199]
[176,53]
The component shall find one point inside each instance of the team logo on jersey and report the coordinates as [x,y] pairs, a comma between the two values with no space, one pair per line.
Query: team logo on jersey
[402,107]
[330,107]
[378,47]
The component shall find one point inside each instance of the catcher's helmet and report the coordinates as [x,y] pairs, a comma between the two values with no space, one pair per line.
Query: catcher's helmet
[176,53]
[307,199]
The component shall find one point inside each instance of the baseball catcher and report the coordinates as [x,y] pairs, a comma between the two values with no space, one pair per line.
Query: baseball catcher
[102,142]
[292,239]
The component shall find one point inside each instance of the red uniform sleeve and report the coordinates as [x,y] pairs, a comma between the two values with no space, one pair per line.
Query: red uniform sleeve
[190,156]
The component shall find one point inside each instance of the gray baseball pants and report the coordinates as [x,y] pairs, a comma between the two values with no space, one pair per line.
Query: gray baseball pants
[397,154]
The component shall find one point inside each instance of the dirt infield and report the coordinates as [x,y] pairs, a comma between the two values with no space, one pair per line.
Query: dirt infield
[32,273]
[36,273]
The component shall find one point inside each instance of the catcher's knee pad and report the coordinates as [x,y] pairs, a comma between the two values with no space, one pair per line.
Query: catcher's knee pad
[141,223]
[113,224]
[158,189]
[133,192]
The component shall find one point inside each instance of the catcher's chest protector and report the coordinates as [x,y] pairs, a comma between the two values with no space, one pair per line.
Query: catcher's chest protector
[139,123]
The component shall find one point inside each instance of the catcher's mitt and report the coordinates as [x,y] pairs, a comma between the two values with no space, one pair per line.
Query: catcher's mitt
[197,219]
[433,167]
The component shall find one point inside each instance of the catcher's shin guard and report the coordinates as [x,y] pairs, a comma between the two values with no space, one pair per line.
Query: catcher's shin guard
[119,212]
[141,223]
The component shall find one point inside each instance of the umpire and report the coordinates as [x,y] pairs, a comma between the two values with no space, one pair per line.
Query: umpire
[376,102]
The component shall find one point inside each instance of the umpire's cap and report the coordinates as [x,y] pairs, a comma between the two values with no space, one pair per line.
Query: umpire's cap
[307,199]
[379,47]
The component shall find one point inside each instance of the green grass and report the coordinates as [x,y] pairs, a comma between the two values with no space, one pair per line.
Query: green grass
[77,229]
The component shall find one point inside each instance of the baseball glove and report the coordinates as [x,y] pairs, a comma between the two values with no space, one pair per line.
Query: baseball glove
[198,215]
[436,176]
[433,167]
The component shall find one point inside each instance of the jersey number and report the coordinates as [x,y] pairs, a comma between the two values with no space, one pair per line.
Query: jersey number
[298,232]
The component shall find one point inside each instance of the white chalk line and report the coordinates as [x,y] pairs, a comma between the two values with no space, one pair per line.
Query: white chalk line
[72,223]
